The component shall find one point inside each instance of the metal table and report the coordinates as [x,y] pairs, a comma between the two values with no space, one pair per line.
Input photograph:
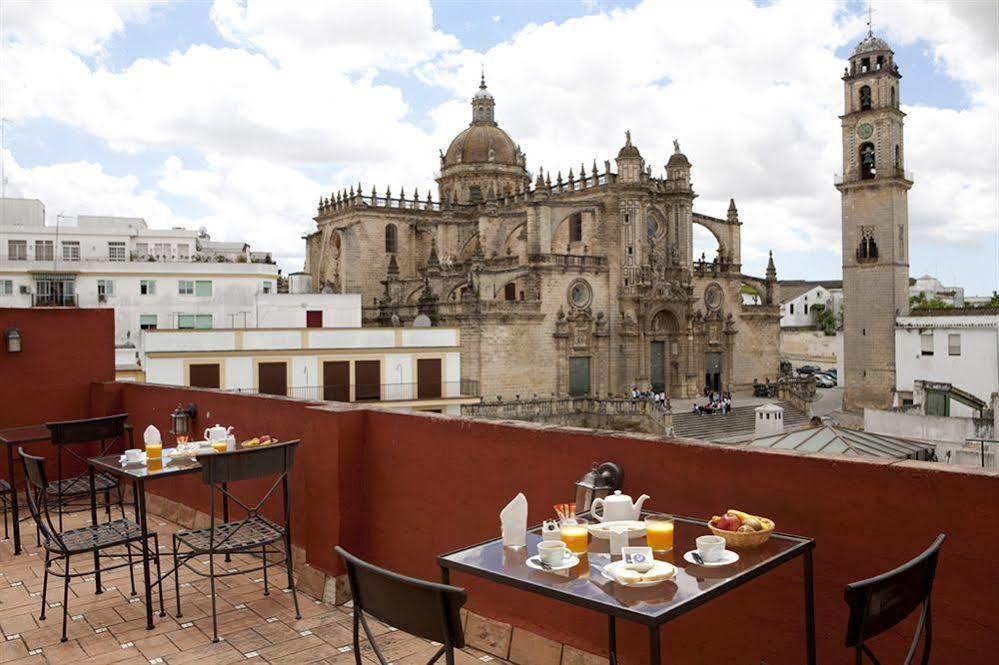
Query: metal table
[139,473]
[585,586]
[16,437]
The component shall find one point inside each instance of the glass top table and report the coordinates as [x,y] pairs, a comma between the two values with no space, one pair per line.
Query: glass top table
[584,585]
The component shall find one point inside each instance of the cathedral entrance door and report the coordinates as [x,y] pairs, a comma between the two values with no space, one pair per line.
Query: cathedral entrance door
[712,371]
[657,369]
[579,376]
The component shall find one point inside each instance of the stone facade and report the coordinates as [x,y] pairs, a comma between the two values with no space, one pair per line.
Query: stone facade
[582,283]
[875,220]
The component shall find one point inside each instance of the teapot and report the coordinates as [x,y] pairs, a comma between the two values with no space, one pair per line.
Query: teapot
[217,433]
[617,507]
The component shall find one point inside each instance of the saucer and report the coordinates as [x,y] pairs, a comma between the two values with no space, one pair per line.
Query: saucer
[728,558]
[602,530]
[127,462]
[534,563]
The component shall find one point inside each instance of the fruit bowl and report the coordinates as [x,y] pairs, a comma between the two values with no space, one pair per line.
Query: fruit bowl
[745,539]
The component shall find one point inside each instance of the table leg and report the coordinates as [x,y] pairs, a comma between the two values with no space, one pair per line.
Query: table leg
[655,655]
[13,499]
[611,641]
[140,497]
[445,575]
[93,520]
[809,609]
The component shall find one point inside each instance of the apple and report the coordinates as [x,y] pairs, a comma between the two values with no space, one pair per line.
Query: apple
[729,523]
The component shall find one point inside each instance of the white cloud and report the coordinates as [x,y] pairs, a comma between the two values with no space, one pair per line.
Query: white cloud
[752,92]
[83,27]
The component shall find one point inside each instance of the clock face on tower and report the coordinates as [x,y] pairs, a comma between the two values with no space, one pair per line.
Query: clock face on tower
[864,130]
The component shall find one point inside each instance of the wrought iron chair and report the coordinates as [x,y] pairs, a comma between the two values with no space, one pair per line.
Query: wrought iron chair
[881,602]
[425,609]
[254,535]
[70,435]
[61,545]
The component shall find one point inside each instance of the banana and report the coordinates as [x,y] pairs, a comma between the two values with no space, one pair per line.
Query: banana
[758,523]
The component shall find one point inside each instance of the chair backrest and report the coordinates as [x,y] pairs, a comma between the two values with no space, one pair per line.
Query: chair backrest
[36,483]
[87,430]
[248,463]
[881,602]
[421,608]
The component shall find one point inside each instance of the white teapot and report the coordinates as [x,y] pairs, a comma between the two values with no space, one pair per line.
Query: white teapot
[217,433]
[617,507]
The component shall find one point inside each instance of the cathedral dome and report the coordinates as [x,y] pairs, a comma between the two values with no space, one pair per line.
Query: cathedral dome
[871,43]
[481,144]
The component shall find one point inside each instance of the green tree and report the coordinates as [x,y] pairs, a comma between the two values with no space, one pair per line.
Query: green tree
[825,319]
[920,301]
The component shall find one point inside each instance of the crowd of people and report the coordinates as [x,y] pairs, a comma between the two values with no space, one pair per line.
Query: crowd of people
[718,402]
[660,399]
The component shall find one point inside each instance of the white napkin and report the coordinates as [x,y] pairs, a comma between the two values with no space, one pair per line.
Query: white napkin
[152,436]
[618,539]
[513,521]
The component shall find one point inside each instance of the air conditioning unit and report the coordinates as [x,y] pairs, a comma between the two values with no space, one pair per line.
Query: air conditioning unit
[25,290]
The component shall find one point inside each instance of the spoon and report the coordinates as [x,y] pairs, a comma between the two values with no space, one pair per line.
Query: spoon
[697,557]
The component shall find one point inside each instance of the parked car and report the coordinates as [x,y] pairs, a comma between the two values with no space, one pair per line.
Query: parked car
[823,381]
[808,369]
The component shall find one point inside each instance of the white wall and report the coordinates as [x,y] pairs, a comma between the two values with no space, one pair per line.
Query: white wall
[927,428]
[819,295]
[976,370]
[287,310]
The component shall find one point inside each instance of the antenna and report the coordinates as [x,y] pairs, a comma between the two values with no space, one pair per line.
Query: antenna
[870,20]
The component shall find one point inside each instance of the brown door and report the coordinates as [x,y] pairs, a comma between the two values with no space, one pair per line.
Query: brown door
[428,378]
[367,380]
[272,378]
[205,376]
[314,318]
[336,381]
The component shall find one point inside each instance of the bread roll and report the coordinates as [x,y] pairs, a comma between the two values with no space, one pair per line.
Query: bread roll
[625,576]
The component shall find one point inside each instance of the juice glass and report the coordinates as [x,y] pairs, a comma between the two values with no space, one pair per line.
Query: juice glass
[659,532]
[154,451]
[575,535]
[220,446]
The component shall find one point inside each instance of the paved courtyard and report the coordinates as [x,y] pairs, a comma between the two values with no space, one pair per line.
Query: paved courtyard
[111,627]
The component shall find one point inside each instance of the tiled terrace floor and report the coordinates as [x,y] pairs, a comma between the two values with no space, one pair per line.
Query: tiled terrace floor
[110,628]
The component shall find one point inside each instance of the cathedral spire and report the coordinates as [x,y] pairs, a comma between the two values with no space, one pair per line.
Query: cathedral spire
[771,268]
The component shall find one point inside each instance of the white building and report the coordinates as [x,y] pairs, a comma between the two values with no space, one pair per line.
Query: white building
[417,368]
[931,287]
[153,278]
[958,348]
[799,298]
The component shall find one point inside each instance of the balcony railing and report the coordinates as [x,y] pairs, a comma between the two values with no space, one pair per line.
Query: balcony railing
[375,392]
[63,300]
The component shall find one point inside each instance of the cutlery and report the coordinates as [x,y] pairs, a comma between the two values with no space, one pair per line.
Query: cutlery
[697,557]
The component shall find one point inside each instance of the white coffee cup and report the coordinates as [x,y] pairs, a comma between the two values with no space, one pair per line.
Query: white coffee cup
[554,552]
[133,455]
[711,548]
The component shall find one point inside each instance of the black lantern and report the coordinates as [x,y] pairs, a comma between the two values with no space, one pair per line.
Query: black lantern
[182,418]
[12,337]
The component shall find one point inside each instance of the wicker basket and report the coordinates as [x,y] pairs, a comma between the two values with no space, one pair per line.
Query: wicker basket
[745,539]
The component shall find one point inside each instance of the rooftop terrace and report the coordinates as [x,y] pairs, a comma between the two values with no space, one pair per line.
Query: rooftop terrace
[399,489]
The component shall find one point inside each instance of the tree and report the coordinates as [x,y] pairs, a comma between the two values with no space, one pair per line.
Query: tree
[825,319]
[920,301]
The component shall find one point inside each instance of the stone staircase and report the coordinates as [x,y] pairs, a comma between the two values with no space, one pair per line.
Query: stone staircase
[741,422]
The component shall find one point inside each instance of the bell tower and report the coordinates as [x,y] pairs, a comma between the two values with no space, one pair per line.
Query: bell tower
[875,219]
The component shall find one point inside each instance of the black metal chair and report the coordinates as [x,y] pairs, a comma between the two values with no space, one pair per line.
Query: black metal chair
[4,501]
[881,602]
[61,545]
[254,534]
[68,436]
[425,609]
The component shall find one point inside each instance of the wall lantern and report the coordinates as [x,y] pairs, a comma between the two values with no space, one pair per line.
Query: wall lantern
[182,419]
[12,337]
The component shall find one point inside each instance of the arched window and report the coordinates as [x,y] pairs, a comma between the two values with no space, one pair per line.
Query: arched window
[865,98]
[576,228]
[391,239]
[867,164]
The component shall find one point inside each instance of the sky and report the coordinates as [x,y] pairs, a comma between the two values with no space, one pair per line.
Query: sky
[238,115]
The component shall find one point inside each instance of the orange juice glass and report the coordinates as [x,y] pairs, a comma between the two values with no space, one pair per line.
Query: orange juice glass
[154,451]
[575,535]
[220,446]
[659,532]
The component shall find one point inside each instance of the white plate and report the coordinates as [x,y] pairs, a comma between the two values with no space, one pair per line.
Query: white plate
[127,462]
[601,530]
[659,567]
[728,558]
[534,563]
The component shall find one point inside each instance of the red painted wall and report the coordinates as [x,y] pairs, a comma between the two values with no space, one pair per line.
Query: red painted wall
[63,352]
[399,489]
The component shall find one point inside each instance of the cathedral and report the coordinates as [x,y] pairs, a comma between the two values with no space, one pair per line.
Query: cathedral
[576,283]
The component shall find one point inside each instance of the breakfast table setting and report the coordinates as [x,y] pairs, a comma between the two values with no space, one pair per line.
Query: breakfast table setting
[618,557]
